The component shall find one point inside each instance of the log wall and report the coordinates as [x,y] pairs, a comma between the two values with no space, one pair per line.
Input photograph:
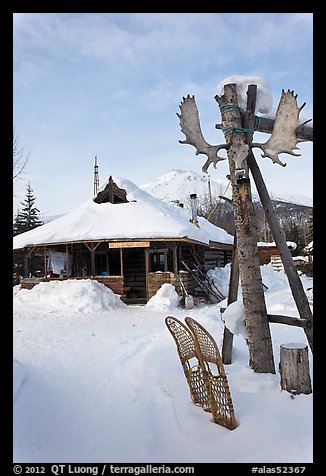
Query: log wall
[217,258]
[155,281]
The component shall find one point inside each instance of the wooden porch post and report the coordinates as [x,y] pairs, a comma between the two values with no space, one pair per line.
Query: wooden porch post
[175,262]
[92,247]
[92,259]
[67,260]
[27,254]
[146,270]
[121,262]
[45,263]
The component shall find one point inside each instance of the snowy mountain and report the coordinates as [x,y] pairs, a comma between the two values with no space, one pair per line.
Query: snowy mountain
[177,185]
[296,199]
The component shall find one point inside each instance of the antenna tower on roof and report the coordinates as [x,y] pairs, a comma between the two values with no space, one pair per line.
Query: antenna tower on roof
[96,177]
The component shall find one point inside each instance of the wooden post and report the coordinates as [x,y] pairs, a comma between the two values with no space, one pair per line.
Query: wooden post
[121,261]
[232,297]
[92,259]
[295,283]
[27,254]
[259,340]
[174,259]
[92,247]
[147,271]
[67,260]
[45,263]
[294,368]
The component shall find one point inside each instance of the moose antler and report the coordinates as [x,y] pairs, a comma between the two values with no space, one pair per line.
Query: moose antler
[190,126]
[283,138]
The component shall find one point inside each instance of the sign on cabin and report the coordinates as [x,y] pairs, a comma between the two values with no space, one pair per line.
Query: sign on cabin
[130,244]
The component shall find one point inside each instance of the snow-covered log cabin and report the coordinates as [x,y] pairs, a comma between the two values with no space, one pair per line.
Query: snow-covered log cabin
[128,240]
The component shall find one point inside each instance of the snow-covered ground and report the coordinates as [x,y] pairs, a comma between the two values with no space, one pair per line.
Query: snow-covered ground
[97,381]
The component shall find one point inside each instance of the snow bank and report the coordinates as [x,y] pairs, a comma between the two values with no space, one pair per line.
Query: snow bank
[264,100]
[221,278]
[85,296]
[234,318]
[114,389]
[165,298]
[274,280]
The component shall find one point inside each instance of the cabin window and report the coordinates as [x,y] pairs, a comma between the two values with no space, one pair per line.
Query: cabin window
[101,264]
[108,263]
[158,260]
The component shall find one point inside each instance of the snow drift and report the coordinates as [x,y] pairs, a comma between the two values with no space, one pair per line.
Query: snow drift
[85,295]
[109,386]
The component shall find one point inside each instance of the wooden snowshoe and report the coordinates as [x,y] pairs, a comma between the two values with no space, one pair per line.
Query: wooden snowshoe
[206,379]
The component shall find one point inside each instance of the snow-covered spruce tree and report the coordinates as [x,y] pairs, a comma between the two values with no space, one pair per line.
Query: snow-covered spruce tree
[26,219]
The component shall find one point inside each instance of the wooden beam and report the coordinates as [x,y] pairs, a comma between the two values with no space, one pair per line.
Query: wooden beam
[92,247]
[288,320]
[221,246]
[108,240]
[266,125]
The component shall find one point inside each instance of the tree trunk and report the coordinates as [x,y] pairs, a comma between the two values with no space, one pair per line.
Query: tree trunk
[294,368]
[256,321]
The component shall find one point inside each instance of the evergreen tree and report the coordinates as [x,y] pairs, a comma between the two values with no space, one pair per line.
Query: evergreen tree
[26,219]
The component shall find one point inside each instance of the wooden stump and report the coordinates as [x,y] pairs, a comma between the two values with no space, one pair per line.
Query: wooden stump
[294,368]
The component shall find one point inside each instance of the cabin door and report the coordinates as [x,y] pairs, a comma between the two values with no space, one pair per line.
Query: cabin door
[134,274]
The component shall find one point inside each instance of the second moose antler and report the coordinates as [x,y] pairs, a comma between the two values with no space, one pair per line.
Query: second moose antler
[283,138]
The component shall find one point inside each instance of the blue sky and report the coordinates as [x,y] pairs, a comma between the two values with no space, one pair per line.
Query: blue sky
[110,84]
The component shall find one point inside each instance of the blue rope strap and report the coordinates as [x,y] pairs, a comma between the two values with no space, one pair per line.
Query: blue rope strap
[236,129]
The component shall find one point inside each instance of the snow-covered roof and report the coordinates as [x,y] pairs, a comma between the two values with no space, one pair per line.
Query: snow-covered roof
[144,216]
[290,244]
